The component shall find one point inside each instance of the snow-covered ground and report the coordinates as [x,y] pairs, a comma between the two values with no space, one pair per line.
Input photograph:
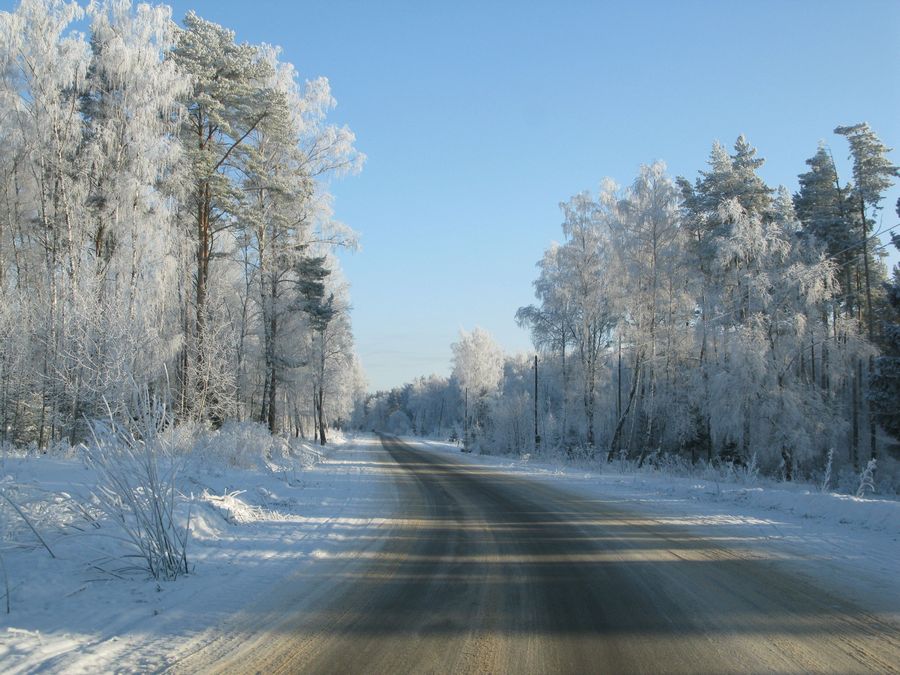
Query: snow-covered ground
[259,522]
[848,545]
[250,527]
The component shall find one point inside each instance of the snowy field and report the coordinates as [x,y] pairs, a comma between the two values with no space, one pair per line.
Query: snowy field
[257,522]
[251,526]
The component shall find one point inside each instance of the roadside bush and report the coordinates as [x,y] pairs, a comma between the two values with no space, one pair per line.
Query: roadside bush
[248,445]
[136,489]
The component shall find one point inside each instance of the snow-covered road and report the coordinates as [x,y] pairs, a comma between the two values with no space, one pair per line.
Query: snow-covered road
[412,557]
[484,571]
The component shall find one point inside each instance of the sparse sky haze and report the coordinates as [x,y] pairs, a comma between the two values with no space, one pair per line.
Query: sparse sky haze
[478,118]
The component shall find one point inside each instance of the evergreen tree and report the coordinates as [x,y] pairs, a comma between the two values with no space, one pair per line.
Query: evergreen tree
[228,101]
[872,174]
[728,192]
[885,386]
[828,217]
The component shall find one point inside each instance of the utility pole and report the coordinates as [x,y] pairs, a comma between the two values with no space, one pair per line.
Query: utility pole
[466,423]
[619,382]
[537,436]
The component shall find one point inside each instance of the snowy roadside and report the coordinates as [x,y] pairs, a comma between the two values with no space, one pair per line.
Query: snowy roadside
[848,545]
[250,527]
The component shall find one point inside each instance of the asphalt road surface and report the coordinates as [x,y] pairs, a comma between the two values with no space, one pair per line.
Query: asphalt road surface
[486,573]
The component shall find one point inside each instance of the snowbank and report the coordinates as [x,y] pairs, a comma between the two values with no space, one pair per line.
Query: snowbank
[261,508]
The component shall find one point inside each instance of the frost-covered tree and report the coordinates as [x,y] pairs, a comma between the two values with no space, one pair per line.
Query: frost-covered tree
[722,340]
[298,223]
[42,75]
[885,385]
[477,362]
[432,403]
[828,216]
[229,99]
[328,321]
[585,259]
[478,369]
[645,286]
[719,284]
[762,402]
[861,274]
[131,113]
[552,325]
[160,193]
[872,174]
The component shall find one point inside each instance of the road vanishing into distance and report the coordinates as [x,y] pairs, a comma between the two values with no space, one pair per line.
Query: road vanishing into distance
[482,572]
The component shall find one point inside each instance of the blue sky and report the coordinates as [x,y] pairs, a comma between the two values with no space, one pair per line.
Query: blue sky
[478,118]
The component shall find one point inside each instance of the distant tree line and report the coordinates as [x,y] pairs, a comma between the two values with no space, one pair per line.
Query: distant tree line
[716,319]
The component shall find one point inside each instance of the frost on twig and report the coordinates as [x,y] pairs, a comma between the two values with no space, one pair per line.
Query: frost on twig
[27,522]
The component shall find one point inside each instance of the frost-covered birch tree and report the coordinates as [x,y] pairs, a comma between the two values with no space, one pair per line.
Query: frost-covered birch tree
[478,369]
[647,294]
[585,258]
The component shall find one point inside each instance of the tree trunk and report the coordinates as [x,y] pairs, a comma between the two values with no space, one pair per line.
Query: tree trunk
[788,459]
[619,382]
[854,414]
[565,402]
[617,435]
[873,445]
[320,410]
[270,362]
[315,414]
[204,209]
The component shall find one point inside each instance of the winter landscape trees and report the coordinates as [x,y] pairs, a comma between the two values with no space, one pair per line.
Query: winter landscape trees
[164,226]
[712,392]
[717,320]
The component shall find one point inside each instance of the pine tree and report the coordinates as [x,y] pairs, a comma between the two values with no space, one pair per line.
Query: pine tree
[872,174]
[830,220]
[884,394]
[730,189]
[226,104]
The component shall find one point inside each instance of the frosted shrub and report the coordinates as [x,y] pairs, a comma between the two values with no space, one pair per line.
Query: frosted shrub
[624,464]
[136,475]
[242,445]
[672,464]
[867,479]
[829,464]
[282,454]
[738,472]
[249,445]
